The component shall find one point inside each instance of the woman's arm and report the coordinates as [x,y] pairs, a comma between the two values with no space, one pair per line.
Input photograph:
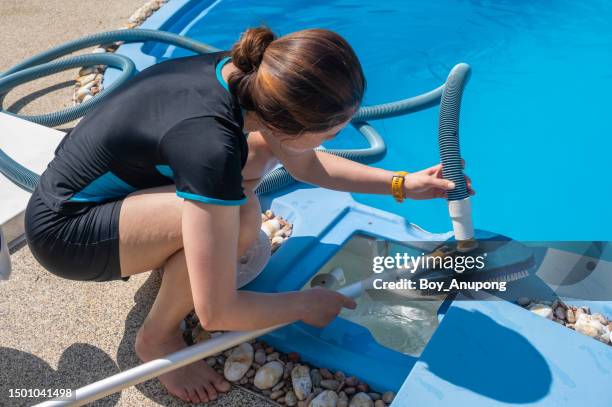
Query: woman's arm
[210,238]
[333,172]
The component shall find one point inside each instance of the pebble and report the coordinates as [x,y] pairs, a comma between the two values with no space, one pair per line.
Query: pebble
[560,313]
[270,227]
[388,397]
[87,71]
[570,317]
[277,394]
[153,5]
[269,349]
[326,374]
[523,301]
[363,387]
[374,396]
[361,400]
[330,384]
[211,361]
[351,381]
[276,242]
[316,377]
[350,390]
[327,398]
[541,310]
[339,375]
[301,381]
[589,326]
[598,317]
[84,80]
[288,368]
[379,403]
[268,375]
[272,356]
[343,400]
[198,333]
[239,362]
[260,356]
[290,399]
[293,357]
[278,386]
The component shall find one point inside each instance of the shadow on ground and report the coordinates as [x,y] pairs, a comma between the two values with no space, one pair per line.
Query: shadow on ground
[82,362]
[18,105]
[152,389]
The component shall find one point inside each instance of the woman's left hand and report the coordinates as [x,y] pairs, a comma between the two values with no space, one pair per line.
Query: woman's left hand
[428,184]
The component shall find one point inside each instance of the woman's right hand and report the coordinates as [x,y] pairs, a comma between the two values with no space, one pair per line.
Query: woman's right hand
[321,306]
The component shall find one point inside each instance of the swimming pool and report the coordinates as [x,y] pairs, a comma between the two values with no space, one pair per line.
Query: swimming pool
[533,126]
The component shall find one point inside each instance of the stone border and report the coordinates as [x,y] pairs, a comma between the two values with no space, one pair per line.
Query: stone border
[284,379]
[89,79]
[580,319]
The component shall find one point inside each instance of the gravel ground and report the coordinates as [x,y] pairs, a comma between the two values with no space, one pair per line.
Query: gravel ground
[56,333]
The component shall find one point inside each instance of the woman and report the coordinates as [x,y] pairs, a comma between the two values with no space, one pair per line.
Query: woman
[162,174]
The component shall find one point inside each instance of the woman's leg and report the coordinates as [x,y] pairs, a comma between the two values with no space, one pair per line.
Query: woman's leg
[150,237]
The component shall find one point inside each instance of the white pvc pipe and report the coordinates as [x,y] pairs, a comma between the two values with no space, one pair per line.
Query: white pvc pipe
[157,367]
[461,215]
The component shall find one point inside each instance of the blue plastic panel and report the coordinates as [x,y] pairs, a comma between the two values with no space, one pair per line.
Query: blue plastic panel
[494,353]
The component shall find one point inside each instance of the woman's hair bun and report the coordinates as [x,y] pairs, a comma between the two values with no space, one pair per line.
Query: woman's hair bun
[248,52]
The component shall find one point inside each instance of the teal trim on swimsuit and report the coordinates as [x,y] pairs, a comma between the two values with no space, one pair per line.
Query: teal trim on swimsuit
[165,170]
[205,199]
[106,187]
[218,71]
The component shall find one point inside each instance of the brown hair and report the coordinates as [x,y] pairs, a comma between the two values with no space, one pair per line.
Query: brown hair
[309,80]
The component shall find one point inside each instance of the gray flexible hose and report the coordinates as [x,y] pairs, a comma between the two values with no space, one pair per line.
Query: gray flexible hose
[40,65]
[448,131]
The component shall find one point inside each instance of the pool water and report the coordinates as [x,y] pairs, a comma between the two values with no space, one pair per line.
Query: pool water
[396,321]
[534,128]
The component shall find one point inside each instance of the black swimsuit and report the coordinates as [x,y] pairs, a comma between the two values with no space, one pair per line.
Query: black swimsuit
[174,123]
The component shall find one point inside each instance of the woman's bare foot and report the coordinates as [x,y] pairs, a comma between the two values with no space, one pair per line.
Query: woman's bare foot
[196,383]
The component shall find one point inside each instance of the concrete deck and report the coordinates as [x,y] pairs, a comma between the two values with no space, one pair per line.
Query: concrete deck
[56,333]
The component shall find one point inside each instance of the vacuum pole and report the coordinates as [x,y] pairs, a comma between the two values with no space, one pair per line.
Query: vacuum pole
[157,367]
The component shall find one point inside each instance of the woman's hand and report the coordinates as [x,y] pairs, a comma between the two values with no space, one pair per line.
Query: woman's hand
[428,184]
[321,306]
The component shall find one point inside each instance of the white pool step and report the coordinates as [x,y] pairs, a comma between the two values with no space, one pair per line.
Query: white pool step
[31,145]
